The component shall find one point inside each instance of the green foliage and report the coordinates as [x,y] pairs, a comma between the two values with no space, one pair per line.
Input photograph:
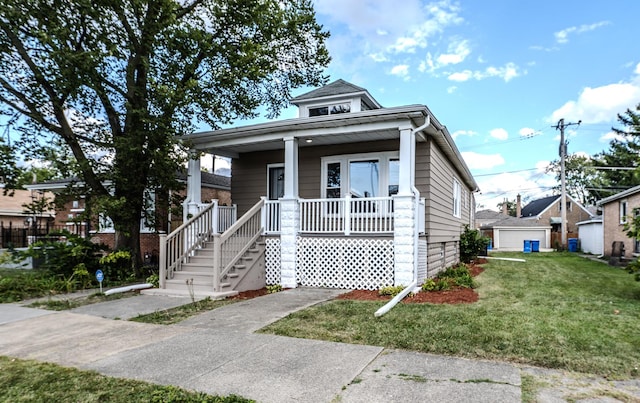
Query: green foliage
[271,289]
[391,290]
[154,279]
[632,228]
[471,244]
[458,276]
[136,85]
[634,268]
[20,284]
[63,253]
[118,266]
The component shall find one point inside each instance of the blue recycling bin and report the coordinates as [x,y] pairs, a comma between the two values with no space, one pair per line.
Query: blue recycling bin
[535,245]
[573,244]
[527,246]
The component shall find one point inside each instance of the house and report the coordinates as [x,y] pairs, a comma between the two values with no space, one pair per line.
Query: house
[71,211]
[616,212]
[485,217]
[510,233]
[547,210]
[347,195]
[17,223]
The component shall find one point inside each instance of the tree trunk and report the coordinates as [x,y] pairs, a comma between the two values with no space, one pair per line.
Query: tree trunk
[129,239]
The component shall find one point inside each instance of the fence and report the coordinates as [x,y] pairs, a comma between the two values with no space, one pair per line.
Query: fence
[11,237]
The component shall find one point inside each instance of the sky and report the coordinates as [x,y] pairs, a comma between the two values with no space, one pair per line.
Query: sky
[498,74]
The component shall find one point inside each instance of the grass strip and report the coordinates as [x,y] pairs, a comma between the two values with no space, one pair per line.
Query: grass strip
[556,310]
[30,381]
[180,313]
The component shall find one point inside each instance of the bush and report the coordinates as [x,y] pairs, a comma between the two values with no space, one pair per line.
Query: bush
[472,244]
[634,268]
[391,290]
[65,257]
[118,267]
[459,276]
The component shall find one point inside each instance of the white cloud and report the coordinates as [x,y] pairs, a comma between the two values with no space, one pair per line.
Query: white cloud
[563,35]
[452,89]
[482,161]
[496,188]
[458,51]
[461,76]
[507,72]
[599,104]
[401,70]
[499,133]
[458,133]
[607,138]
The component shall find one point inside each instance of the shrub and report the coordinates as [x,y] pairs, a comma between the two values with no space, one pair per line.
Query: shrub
[64,257]
[634,268]
[459,276]
[391,290]
[118,266]
[272,289]
[472,244]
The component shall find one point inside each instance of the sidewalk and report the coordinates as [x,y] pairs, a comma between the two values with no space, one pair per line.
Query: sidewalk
[218,353]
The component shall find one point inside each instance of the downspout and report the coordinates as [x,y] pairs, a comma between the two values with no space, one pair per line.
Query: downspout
[416,193]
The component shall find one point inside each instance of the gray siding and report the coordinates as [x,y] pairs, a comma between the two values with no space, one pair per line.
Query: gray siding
[434,180]
[441,255]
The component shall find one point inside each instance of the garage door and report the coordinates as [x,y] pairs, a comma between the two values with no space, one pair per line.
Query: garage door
[514,238]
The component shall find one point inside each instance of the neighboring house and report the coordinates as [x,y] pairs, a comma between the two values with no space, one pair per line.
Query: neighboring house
[347,195]
[71,211]
[616,211]
[486,217]
[548,212]
[16,222]
[510,233]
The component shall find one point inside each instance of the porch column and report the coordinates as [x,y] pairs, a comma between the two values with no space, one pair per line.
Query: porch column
[290,168]
[407,149]
[193,186]
[289,215]
[404,233]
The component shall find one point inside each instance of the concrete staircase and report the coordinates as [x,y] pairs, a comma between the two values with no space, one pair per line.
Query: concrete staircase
[196,275]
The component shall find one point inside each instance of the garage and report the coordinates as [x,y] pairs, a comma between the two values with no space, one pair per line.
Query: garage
[510,233]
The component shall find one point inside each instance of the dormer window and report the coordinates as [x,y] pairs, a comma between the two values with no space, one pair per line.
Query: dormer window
[330,110]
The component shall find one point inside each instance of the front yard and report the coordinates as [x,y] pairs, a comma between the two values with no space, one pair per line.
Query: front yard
[557,310]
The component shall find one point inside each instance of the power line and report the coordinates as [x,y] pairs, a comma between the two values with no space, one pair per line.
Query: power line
[506,172]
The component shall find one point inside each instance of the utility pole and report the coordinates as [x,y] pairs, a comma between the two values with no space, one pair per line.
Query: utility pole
[563,188]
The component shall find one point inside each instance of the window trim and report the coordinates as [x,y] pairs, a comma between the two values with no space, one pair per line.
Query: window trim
[344,160]
[457,196]
[623,207]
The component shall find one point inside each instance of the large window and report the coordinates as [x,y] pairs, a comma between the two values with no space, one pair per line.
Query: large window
[330,109]
[361,175]
[456,198]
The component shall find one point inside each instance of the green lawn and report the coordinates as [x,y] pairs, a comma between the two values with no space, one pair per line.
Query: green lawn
[30,381]
[557,310]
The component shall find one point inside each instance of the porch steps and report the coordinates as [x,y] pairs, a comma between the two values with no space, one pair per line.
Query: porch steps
[196,275]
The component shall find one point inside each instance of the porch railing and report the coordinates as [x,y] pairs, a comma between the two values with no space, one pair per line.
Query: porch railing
[371,215]
[271,216]
[230,246]
[176,247]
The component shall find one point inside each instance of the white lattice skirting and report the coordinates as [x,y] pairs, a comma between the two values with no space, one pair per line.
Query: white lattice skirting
[347,263]
[272,260]
[358,263]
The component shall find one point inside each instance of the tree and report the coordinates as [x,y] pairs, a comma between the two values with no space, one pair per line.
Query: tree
[580,178]
[511,207]
[623,152]
[116,84]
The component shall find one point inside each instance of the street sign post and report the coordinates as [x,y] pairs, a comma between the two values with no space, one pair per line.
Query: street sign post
[100,277]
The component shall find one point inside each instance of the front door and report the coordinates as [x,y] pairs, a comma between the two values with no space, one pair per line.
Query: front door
[275,181]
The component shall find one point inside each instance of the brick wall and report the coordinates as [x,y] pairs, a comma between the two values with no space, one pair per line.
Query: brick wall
[613,230]
[574,215]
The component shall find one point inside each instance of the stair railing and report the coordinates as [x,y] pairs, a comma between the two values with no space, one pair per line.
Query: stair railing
[176,247]
[231,245]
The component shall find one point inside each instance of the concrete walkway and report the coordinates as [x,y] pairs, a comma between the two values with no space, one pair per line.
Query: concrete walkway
[218,352]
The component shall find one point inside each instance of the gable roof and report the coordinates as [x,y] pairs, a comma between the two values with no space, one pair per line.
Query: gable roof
[536,207]
[336,89]
[488,214]
[620,195]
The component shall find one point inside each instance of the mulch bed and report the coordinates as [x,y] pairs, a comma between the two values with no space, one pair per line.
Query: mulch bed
[458,295]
